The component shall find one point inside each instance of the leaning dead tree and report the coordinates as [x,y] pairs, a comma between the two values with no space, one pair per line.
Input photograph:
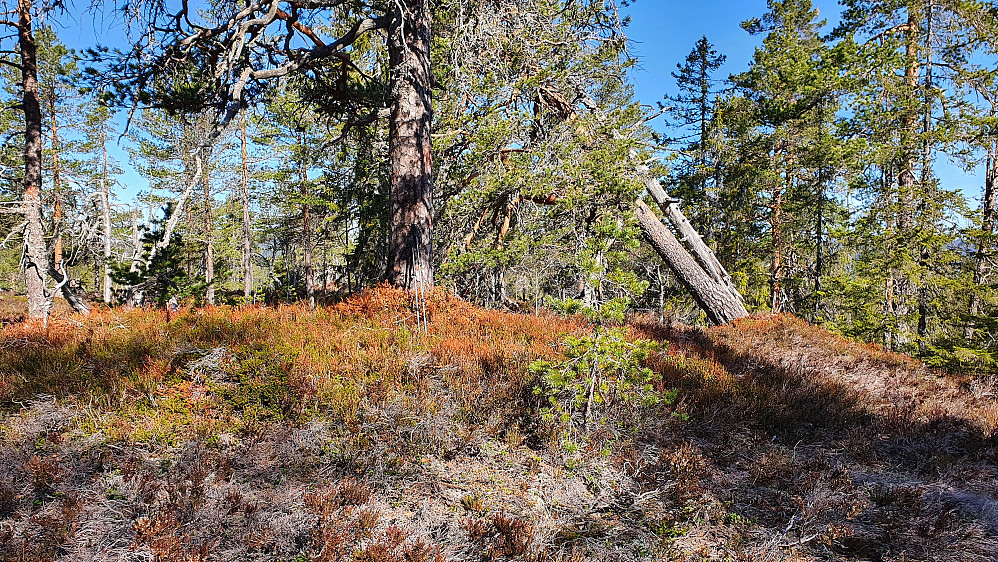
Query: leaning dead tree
[719,300]
[688,256]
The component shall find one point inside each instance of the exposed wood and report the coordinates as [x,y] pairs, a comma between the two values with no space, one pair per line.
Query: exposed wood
[105,194]
[689,237]
[209,247]
[35,260]
[720,305]
[63,286]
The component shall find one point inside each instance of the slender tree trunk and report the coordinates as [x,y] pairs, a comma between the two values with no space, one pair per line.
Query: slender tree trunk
[306,225]
[720,305]
[987,231]
[819,242]
[925,212]
[410,244]
[136,241]
[325,260]
[209,246]
[105,193]
[57,215]
[35,260]
[776,260]
[904,285]
[247,231]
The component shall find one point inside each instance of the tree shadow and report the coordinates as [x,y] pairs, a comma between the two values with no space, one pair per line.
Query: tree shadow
[827,461]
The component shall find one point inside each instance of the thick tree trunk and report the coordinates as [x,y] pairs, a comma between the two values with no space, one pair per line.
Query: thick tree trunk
[714,298]
[410,242]
[35,262]
[247,230]
[689,237]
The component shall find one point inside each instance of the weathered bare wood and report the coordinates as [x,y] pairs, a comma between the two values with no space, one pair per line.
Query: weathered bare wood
[714,298]
[209,246]
[247,225]
[105,198]
[688,236]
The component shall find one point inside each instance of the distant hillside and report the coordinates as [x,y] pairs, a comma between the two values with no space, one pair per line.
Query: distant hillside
[349,433]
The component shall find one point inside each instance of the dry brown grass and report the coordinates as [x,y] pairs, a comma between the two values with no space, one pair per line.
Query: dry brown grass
[348,433]
[829,448]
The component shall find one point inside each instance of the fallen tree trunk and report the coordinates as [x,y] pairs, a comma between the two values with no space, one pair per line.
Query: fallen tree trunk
[716,297]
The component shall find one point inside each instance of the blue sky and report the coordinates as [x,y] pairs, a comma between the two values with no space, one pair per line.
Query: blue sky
[664,31]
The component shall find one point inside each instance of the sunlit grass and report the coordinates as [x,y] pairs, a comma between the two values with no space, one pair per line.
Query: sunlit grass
[229,369]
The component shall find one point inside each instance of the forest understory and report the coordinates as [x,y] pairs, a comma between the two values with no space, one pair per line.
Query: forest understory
[354,432]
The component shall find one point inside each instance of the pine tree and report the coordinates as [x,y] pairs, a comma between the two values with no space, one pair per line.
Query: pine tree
[695,173]
[793,91]
[98,169]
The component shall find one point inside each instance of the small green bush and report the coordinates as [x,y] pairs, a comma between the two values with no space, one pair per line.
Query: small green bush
[601,375]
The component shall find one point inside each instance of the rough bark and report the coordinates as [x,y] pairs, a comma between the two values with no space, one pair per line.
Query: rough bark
[714,298]
[35,260]
[689,237]
[410,243]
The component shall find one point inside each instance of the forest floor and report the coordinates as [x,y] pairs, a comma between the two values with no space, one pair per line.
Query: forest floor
[350,433]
